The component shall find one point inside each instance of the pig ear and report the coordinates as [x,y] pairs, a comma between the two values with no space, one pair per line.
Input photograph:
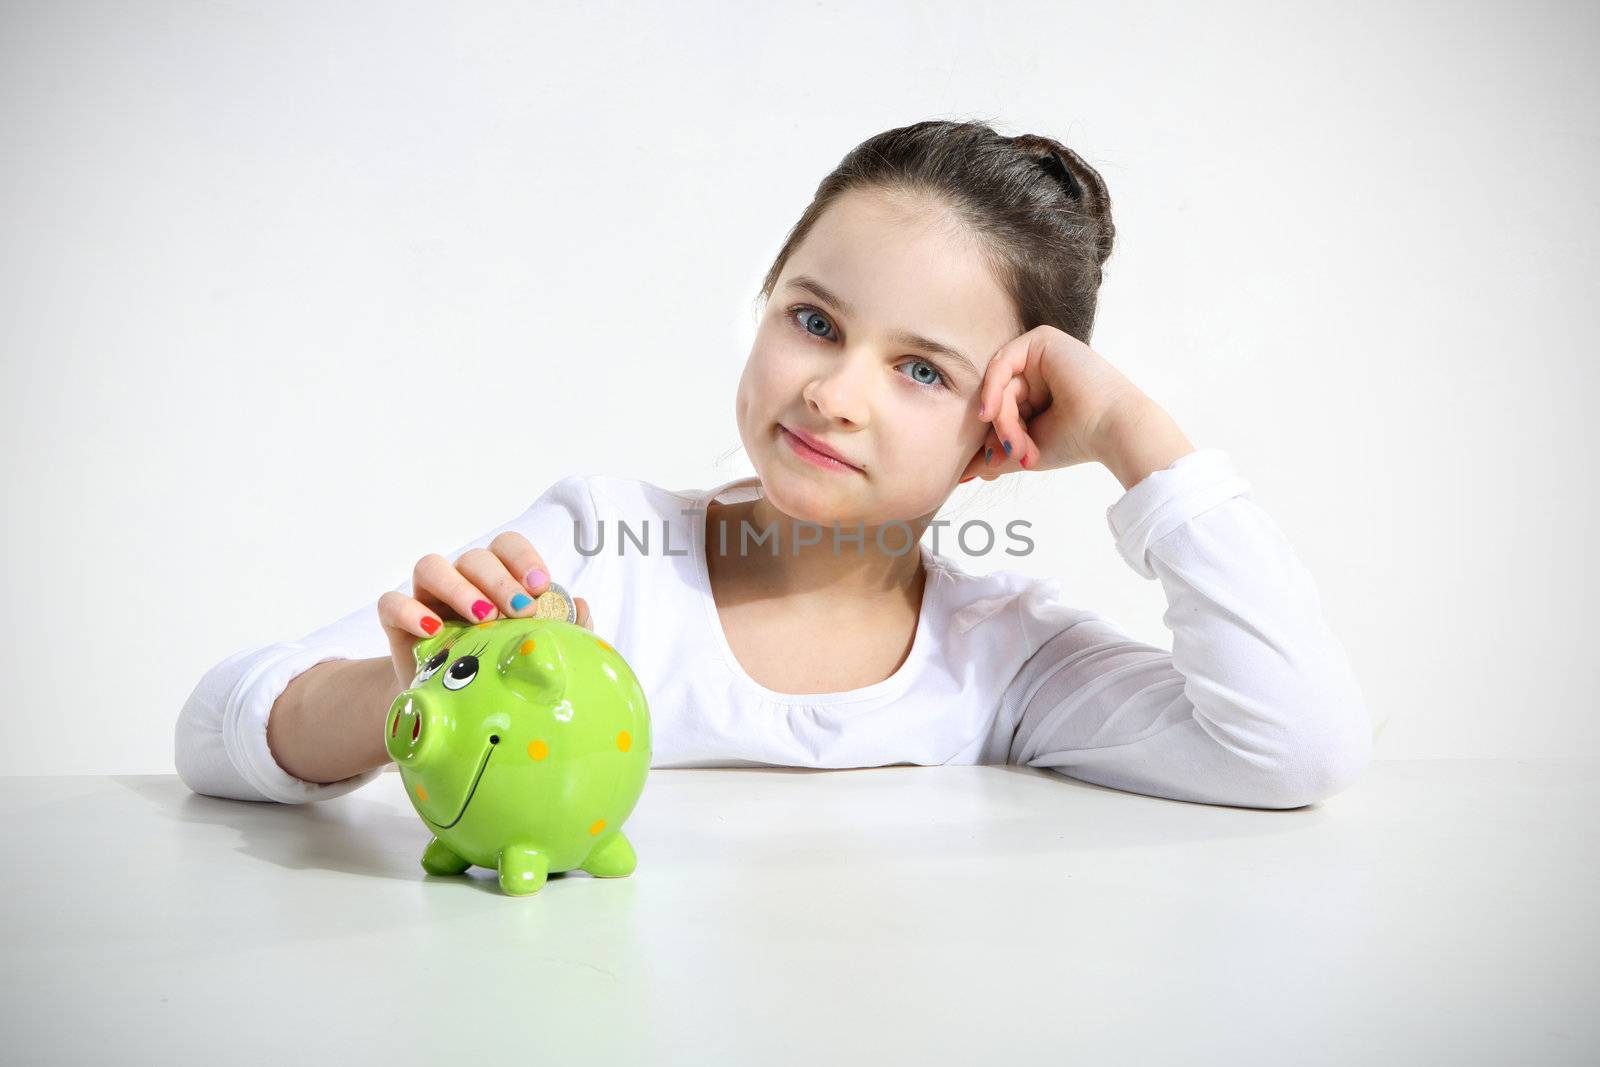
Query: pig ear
[533,658]
[425,649]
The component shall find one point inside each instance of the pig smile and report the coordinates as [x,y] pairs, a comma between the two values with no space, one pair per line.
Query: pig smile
[482,764]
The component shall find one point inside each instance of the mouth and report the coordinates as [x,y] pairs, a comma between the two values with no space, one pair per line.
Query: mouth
[814,452]
[482,765]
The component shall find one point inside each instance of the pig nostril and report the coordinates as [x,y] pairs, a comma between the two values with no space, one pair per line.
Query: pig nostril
[416,728]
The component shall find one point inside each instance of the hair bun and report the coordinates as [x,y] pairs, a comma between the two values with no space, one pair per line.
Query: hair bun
[1052,162]
[1082,183]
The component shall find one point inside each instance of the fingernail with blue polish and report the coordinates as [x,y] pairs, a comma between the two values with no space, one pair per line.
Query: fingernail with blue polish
[520,601]
[1008,447]
[988,454]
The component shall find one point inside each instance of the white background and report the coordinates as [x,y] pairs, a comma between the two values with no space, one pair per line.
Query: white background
[293,294]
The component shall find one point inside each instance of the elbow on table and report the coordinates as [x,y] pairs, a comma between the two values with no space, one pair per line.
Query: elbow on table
[198,752]
[1312,772]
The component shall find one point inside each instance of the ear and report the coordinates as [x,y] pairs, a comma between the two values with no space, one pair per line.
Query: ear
[533,658]
[425,649]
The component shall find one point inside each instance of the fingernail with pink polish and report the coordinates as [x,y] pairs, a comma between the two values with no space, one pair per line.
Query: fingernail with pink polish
[480,608]
[534,579]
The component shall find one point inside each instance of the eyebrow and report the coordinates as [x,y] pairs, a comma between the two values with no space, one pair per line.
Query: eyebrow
[914,340]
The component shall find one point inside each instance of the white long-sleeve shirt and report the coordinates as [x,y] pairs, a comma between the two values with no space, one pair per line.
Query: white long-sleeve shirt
[1256,705]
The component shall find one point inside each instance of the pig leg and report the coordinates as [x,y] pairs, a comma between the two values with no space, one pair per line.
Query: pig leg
[439,858]
[523,868]
[611,858]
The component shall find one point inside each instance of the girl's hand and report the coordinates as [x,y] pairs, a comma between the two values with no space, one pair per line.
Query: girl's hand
[1049,396]
[479,586]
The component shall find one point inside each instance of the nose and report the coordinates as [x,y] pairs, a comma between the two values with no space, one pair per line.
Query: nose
[839,394]
[407,734]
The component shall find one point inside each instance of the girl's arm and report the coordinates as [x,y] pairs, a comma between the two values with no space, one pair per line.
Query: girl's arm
[334,715]
[327,725]
[1255,706]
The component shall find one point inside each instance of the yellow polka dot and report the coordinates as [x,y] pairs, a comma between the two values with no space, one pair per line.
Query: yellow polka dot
[538,749]
[599,824]
[489,622]
[526,647]
[602,644]
[422,794]
[624,742]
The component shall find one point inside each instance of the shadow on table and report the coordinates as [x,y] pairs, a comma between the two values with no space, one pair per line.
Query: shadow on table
[350,834]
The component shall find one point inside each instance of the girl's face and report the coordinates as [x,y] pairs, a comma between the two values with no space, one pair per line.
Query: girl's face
[843,354]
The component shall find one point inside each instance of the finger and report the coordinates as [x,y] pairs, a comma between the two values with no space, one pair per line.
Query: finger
[1024,449]
[583,613]
[396,611]
[1021,357]
[1009,440]
[488,572]
[1008,421]
[439,585]
[1016,372]
[994,458]
[994,444]
[523,561]
[999,371]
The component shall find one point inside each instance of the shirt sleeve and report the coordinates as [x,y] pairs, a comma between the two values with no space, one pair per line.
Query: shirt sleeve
[1255,706]
[220,743]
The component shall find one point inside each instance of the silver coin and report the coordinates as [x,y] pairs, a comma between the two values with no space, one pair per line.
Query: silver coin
[554,603]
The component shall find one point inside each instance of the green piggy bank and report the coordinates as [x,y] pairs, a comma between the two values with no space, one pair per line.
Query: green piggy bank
[524,745]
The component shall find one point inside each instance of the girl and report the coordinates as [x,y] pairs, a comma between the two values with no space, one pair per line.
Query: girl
[925,323]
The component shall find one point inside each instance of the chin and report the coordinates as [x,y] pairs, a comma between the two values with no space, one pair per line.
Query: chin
[805,497]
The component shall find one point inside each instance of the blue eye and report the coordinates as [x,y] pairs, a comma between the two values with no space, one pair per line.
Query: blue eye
[938,379]
[803,310]
[798,313]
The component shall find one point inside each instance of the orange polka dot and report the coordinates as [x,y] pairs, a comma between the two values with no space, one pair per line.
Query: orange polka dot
[599,824]
[602,644]
[526,647]
[422,794]
[538,749]
[624,742]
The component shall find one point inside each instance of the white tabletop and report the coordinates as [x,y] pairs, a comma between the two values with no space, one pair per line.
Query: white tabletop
[1437,912]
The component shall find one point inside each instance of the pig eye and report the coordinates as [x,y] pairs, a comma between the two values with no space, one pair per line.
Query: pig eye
[430,668]
[461,673]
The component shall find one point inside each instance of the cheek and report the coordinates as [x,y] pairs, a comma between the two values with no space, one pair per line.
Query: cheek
[772,375]
[926,445]
[931,430]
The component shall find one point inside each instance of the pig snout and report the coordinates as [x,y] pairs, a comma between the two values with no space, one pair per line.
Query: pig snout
[408,730]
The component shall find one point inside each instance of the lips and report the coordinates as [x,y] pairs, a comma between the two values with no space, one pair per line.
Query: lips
[816,445]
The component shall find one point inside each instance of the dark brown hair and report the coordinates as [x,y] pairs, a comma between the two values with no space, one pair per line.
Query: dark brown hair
[1041,214]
